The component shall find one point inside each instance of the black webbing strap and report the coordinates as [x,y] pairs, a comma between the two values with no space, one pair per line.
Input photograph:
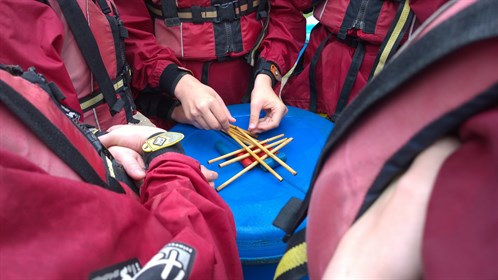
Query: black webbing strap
[104,6]
[311,75]
[55,140]
[264,9]
[393,38]
[350,78]
[170,13]
[205,72]
[224,12]
[353,70]
[90,51]
[402,159]
[247,95]
[476,23]
[96,98]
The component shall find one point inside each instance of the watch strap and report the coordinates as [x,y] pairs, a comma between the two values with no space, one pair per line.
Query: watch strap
[161,143]
[269,68]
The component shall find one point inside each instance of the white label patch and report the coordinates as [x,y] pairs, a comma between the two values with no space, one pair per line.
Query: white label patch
[174,261]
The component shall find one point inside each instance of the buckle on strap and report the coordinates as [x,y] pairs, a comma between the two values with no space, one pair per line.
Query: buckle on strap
[227,12]
[97,97]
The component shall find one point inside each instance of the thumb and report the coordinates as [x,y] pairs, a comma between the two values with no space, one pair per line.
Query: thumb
[254,116]
[134,170]
[225,108]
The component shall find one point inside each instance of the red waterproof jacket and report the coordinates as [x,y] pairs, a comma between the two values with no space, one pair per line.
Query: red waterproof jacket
[344,47]
[383,132]
[213,51]
[56,226]
[41,37]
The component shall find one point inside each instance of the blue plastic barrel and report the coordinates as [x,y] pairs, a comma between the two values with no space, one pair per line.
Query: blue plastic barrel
[257,196]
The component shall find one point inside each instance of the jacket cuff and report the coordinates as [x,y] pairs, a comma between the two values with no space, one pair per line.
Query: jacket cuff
[156,105]
[170,77]
[269,68]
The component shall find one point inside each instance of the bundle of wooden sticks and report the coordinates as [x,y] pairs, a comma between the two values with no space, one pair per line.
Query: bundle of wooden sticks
[253,147]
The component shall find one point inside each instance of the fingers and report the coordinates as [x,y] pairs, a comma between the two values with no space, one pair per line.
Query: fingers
[271,120]
[254,116]
[131,161]
[274,113]
[209,175]
[210,115]
[202,106]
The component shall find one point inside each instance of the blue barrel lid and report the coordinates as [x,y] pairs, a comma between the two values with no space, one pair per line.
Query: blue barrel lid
[257,196]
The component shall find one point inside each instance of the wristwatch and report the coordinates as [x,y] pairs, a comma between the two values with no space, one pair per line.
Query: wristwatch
[160,143]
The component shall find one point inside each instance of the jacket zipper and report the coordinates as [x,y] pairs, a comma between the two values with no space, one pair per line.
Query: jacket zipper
[359,22]
[228,30]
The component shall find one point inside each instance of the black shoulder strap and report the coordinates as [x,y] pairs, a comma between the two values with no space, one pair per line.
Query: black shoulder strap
[396,32]
[476,23]
[170,13]
[90,51]
[51,136]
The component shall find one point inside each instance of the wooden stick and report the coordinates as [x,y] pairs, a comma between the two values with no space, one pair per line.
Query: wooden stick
[241,157]
[246,131]
[241,150]
[292,171]
[251,166]
[255,156]
[242,137]
[239,135]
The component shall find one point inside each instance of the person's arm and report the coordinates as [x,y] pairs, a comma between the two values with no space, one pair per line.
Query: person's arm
[34,38]
[95,229]
[285,37]
[125,144]
[391,231]
[187,187]
[156,66]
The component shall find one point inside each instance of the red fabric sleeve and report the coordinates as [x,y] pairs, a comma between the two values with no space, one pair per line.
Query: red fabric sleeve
[460,239]
[56,228]
[32,35]
[146,57]
[286,33]
[424,9]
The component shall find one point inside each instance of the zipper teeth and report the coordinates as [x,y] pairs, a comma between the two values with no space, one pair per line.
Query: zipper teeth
[360,17]
[228,30]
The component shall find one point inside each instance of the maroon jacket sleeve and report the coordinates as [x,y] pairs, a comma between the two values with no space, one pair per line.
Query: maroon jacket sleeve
[150,61]
[460,238]
[57,228]
[286,33]
[34,37]
[424,9]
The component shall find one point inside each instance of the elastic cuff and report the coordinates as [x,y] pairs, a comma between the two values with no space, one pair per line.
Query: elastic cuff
[156,105]
[166,105]
[170,77]
[269,68]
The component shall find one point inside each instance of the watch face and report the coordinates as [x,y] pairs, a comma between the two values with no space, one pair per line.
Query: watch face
[162,140]
[159,141]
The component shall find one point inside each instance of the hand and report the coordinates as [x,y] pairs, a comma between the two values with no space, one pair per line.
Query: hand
[209,175]
[131,161]
[264,98]
[129,136]
[201,106]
